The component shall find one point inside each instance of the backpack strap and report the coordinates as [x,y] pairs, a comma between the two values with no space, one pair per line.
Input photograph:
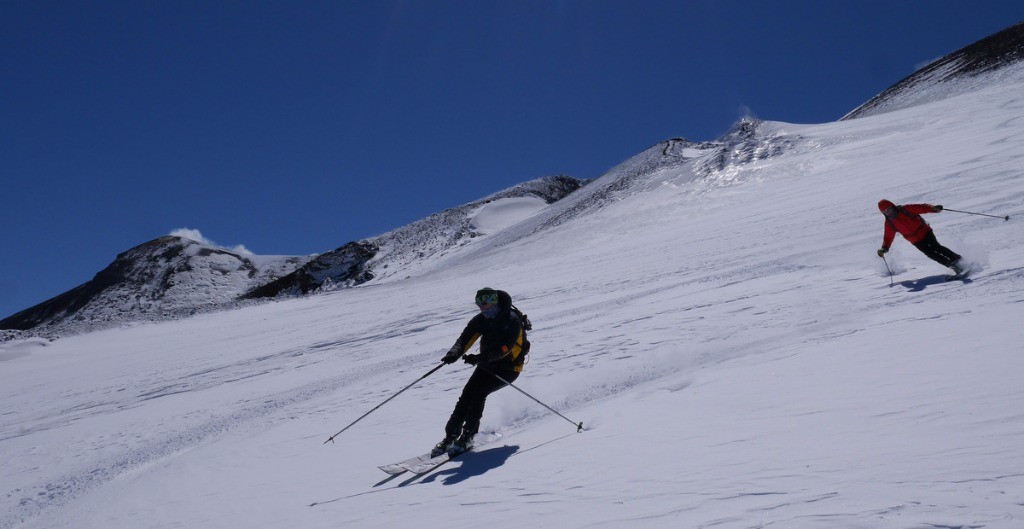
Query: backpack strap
[523,318]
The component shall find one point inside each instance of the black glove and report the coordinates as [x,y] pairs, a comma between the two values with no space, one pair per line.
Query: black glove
[936,209]
[453,354]
[472,359]
[882,250]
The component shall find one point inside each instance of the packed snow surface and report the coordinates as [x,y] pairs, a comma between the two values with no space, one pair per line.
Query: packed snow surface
[729,339]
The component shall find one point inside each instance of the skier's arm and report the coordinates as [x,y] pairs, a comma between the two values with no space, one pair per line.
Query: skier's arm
[919,209]
[464,342]
[890,234]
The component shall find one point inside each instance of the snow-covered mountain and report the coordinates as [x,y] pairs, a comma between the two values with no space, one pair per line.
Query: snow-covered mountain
[172,276]
[424,244]
[715,314]
[168,277]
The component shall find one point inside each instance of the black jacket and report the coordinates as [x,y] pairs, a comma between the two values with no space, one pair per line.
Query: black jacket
[503,343]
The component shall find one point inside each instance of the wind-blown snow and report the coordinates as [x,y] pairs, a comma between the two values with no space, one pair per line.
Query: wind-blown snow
[725,332]
[196,235]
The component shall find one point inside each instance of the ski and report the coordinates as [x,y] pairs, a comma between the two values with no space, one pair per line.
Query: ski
[956,277]
[400,467]
[424,463]
[432,463]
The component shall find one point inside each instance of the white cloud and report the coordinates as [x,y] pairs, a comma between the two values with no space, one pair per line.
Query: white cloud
[196,235]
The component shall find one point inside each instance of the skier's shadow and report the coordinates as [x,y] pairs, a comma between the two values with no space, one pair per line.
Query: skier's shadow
[474,464]
[917,285]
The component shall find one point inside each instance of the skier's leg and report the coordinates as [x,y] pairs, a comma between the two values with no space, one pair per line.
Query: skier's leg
[930,247]
[488,385]
[949,255]
[472,397]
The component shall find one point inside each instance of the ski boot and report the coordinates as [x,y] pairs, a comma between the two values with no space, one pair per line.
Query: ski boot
[444,446]
[463,443]
[959,270]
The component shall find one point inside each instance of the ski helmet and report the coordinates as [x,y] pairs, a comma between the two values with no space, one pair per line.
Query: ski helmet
[486,296]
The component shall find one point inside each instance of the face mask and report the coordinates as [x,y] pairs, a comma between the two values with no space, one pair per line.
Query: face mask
[490,312]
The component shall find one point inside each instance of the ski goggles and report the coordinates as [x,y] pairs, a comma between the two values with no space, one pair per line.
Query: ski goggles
[486,297]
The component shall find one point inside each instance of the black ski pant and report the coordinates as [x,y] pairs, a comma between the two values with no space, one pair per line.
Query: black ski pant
[940,254]
[470,407]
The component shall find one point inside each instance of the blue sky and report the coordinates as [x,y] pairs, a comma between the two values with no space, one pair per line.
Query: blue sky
[294,127]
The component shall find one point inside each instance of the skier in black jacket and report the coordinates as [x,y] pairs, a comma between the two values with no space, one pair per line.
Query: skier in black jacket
[503,349]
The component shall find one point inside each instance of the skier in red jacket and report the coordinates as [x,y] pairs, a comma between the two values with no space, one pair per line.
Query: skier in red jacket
[906,220]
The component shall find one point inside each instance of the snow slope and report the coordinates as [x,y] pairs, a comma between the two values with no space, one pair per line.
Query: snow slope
[505,212]
[725,332]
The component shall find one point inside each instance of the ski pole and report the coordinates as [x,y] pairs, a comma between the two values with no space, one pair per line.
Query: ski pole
[579,426]
[887,268]
[385,402]
[1005,217]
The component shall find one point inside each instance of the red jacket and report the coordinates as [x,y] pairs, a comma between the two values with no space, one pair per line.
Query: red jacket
[908,223]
